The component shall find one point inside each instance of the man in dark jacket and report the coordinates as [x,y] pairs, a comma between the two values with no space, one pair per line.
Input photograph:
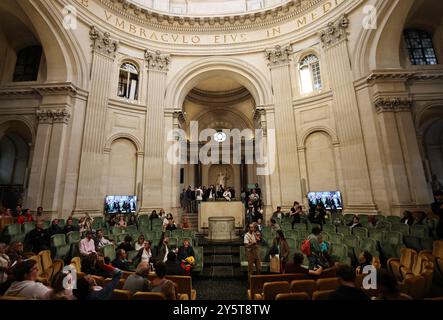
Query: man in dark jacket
[38,239]
[173,267]
[347,289]
[121,262]
[69,226]
[54,228]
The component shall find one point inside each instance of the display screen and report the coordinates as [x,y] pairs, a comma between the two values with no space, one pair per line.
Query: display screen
[120,204]
[331,199]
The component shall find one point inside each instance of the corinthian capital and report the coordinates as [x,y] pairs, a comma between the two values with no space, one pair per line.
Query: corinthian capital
[278,55]
[157,61]
[335,32]
[50,116]
[392,104]
[102,42]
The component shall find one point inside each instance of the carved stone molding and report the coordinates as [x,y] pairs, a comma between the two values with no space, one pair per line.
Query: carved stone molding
[157,61]
[102,42]
[62,88]
[278,55]
[392,104]
[49,116]
[402,75]
[180,116]
[164,20]
[335,32]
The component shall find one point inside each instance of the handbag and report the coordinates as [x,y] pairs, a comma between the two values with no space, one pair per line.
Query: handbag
[274,264]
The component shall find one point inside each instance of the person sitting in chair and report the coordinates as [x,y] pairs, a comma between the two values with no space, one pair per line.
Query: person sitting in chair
[227,194]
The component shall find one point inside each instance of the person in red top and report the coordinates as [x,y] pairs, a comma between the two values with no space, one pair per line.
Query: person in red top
[25,217]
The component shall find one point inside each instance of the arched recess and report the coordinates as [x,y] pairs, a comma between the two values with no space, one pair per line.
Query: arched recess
[331,133]
[123,135]
[379,48]
[320,162]
[429,122]
[122,168]
[16,141]
[65,60]
[246,74]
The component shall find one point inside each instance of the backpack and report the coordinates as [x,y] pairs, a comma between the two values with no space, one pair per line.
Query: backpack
[306,247]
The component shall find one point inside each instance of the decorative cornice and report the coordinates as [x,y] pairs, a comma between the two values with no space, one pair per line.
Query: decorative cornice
[49,116]
[102,42]
[335,32]
[157,61]
[169,21]
[180,116]
[406,75]
[65,88]
[278,55]
[226,98]
[392,104]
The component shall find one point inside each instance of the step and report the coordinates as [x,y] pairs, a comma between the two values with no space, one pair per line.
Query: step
[222,272]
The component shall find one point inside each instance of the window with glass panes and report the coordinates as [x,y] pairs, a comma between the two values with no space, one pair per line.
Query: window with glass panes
[420,47]
[128,82]
[28,64]
[310,74]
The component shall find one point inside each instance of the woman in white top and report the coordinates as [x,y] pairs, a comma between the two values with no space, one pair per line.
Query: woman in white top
[147,252]
[25,274]
[227,195]
[140,243]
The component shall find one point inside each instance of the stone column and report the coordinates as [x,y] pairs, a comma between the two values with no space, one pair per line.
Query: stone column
[357,189]
[155,138]
[90,195]
[39,159]
[178,120]
[269,183]
[406,174]
[56,164]
[46,181]
[286,135]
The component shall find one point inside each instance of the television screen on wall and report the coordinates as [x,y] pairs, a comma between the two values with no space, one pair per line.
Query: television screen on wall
[331,199]
[120,204]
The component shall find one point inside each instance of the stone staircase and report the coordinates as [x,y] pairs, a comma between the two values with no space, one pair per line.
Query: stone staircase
[221,259]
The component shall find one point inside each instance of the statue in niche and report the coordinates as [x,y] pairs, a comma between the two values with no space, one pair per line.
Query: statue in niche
[222,178]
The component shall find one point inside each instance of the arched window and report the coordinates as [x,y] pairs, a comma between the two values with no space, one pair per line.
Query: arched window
[128,82]
[310,77]
[420,47]
[28,63]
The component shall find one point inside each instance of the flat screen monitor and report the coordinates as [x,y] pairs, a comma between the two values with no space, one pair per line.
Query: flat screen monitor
[331,199]
[120,204]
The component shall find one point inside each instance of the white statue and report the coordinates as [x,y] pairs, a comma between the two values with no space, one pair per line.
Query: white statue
[222,179]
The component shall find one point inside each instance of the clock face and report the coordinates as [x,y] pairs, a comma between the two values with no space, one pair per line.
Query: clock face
[220,137]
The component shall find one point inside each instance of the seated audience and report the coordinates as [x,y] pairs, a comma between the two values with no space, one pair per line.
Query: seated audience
[38,238]
[122,222]
[160,284]
[87,245]
[347,289]
[54,228]
[185,251]
[126,244]
[259,225]
[355,223]
[25,285]
[185,224]
[15,252]
[140,244]
[5,263]
[274,225]
[296,266]
[121,261]
[59,292]
[145,253]
[153,215]
[87,288]
[170,226]
[163,250]
[100,240]
[407,218]
[364,259]
[138,282]
[387,287]
[374,223]
[94,264]
[25,216]
[173,267]
[85,223]
[69,226]
[7,213]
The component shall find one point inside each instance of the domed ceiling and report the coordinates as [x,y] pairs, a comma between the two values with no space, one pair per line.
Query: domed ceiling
[208,7]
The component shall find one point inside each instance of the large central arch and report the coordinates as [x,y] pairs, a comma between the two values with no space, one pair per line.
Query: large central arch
[246,74]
